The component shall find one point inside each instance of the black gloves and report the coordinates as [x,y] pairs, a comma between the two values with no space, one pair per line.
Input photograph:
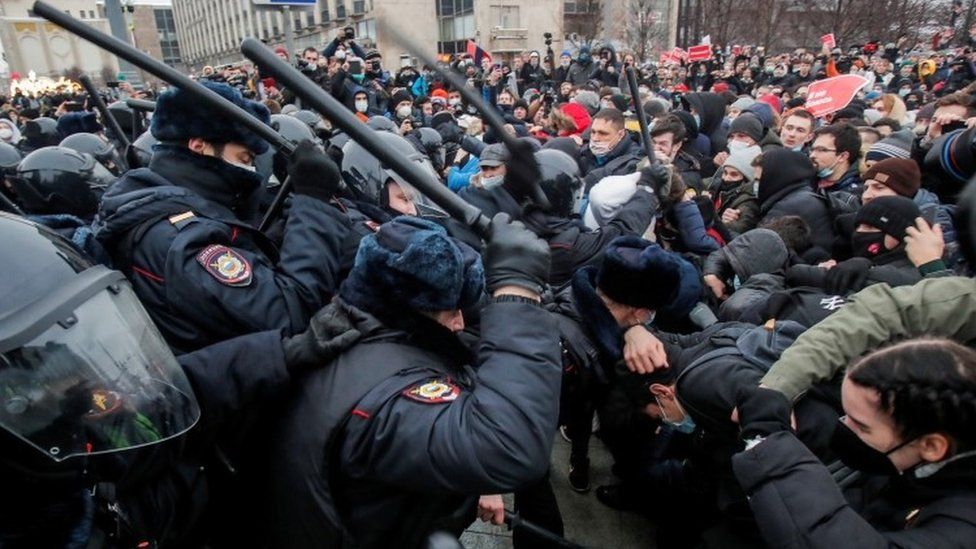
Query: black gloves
[657,178]
[762,411]
[450,132]
[515,256]
[847,276]
[313,173]
[328,334]
[522,173]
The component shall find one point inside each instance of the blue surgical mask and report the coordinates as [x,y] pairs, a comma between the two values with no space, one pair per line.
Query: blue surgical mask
[686,425]
[755,188]
[825,173]
[697,120]
[736,283]
[798,148]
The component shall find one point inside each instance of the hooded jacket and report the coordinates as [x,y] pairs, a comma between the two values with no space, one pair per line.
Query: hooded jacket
[784,189]
[203,274]
[711,111]
[753,253]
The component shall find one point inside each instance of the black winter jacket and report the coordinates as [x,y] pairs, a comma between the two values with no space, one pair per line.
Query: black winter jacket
[800,505]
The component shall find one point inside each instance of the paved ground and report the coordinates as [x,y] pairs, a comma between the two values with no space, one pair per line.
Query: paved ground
[587,521]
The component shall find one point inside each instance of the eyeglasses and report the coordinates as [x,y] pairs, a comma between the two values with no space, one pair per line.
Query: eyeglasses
[822,150]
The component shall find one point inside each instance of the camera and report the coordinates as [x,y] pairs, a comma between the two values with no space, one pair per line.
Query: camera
[548,37]
[350,33]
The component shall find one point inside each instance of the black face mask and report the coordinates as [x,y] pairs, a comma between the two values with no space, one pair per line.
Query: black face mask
[868,245]
[729,184]
[856,454]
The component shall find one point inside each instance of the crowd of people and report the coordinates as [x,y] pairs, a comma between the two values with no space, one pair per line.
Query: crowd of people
[767,324]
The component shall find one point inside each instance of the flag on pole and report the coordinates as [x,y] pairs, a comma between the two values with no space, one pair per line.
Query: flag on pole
[477,53]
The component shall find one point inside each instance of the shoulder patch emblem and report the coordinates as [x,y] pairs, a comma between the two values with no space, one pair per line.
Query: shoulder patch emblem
[433,391]
[226,265]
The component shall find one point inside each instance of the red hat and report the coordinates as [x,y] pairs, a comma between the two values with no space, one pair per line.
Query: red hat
[772,101]
[281,49]
[439,93]
[681,88]
[579,115]
[720,87]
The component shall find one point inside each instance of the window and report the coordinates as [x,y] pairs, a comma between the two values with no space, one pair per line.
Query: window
[456,24]
[340,11]
[81,13]
[506,17]
[91,14]
[325,15]
[359,6]
[366,29]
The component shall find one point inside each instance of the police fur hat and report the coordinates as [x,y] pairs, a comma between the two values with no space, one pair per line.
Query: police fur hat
[639,273]
[180,116]
[413,263]
[78,122]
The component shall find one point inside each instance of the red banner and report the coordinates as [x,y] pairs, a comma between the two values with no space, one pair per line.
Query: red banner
[828,40]
[701,52]
[833,94]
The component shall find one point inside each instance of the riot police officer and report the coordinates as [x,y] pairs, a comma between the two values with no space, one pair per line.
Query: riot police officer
[178,228]
[108,439]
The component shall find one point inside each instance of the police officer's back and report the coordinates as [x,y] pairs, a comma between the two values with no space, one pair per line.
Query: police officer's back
[396,434]
[177,229]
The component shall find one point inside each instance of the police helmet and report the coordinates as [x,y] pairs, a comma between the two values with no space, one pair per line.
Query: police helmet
[126,117]
[433,145]
[141,150]
[84,374]
[368,177]
[97,146]
[10,157]
[41,132]
[560,181]
[291,128]
[58,180]
[382,123]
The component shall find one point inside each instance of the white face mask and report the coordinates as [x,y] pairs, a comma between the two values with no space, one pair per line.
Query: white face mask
[403,112]
[492,182]
[599,148]
[564,62]
[454,101]
[340,54]
[6,133]
[361,106]
[737,145]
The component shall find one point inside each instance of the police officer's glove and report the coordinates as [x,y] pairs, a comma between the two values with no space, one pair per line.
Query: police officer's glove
[522,172]
[515,256]
[313,173]
[657,178]
[328,334]
[847,276]
[762,411]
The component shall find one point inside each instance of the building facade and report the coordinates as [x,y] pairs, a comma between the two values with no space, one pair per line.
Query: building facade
[31,44]
[211,31]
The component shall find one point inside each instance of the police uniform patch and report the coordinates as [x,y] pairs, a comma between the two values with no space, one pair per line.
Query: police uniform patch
[226,265]
[433,391]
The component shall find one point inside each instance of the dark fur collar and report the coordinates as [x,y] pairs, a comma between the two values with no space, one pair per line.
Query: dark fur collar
[599,323]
